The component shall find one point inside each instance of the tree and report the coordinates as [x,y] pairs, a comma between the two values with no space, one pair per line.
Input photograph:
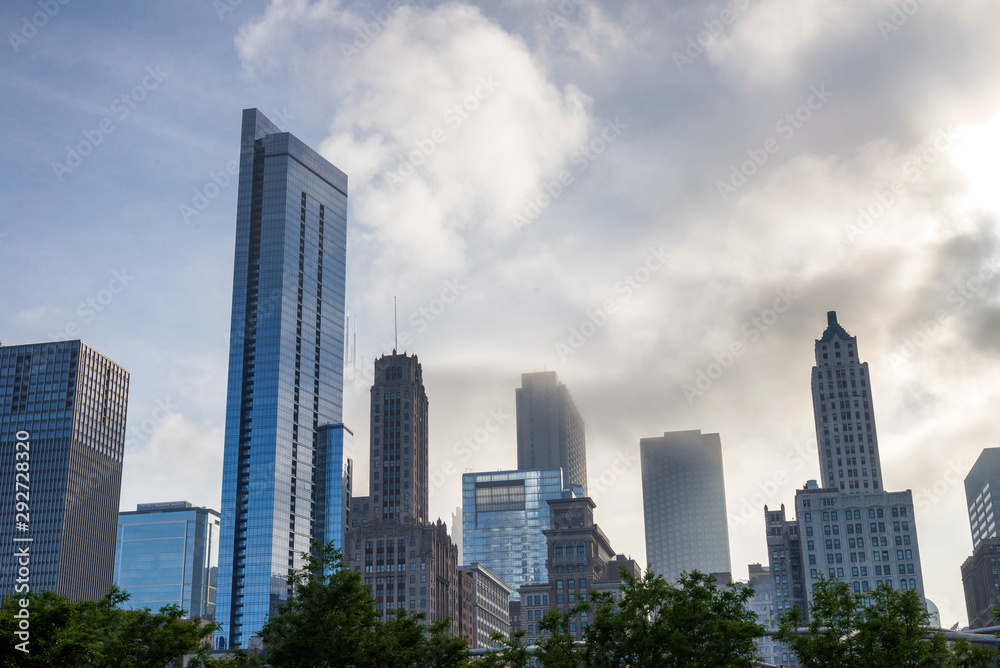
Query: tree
[558,649]
[654,624]
[330,621]
[512,652]
[67,634]
[880,628]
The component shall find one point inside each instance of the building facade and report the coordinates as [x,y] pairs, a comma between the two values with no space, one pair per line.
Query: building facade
[62,421]
[398,476]
[285,368]
[580,561]
[784,548]
[982,484]
[772,652]
[504,518]
[490,611]
[334,475]
[844,414]
[981,582]
[550,431]
[408,567]
[168,554]
[684,504]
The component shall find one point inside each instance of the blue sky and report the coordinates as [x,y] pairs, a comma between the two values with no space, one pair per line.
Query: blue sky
[616,191]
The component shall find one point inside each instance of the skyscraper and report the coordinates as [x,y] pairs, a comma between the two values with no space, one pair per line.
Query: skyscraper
[504,518]
[684,503]
[982,486]
[62,426]
[390,532]
[550,431]
[285,368]
[845,418]
[398,476]
[168,553]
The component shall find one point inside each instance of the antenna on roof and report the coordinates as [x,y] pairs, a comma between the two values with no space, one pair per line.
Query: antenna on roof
[395,334]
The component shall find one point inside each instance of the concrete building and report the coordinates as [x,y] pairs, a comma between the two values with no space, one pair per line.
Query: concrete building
[982,486]
[490,611]
[168,554]
[550,431]
[772,651]
[408,566]
[407,562]
[580,561]
[981,581]
[504,517]
[684,504]
[286,370]
[844,414]
[62,424]
[784,548]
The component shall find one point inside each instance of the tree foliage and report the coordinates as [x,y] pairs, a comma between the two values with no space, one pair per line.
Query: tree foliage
[655,624]
[879,628]
[100,634]
[331,622]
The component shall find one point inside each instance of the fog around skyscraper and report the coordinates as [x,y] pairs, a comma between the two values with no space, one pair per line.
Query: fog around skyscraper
[658,201]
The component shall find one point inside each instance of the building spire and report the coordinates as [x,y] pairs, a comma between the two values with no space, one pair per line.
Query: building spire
[395,330]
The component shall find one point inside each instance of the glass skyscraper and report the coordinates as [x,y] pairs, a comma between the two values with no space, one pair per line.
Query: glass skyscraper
[334,472]
[168,553]
[550,431]
[285,368]
[62,430]
[504,515]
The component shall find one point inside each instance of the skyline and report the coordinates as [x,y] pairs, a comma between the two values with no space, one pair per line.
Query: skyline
[631,280]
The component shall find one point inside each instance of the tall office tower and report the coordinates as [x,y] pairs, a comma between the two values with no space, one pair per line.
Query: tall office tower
[784,547]
[62,428]
[982,485]
[398,476]
[550,430]
[334,475]
[684,503]
[168,554]
[845,419]
[285,368]
[504,518]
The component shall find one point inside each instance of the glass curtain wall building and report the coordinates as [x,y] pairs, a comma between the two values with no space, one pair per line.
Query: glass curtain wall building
[66,403]
[285,368]
[168,553]
[504,516]
[334,472]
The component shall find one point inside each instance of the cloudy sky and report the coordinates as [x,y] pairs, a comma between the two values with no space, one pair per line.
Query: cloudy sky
[620,192]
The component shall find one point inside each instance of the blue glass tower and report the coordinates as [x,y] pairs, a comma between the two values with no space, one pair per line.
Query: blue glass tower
[285,368]
[504,515]
[62,437]
[168,553]
[334,452]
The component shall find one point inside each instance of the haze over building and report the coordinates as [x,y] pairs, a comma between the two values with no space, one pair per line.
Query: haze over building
[550,431]
[684,504]
[285,368]
[62,416]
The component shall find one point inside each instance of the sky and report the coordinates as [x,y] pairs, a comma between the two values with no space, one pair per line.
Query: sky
[660,201]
